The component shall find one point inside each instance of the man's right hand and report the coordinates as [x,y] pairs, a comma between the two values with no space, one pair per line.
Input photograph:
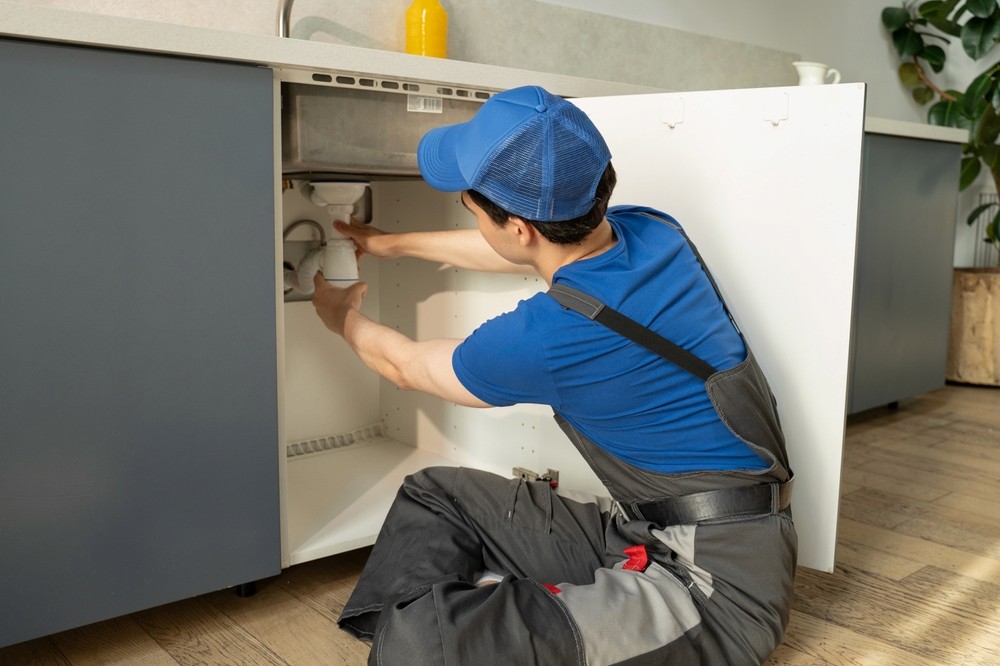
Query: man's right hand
[367,239]
[462,248]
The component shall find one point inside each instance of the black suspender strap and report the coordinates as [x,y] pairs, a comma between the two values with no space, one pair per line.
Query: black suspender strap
[590,307]
[720,504]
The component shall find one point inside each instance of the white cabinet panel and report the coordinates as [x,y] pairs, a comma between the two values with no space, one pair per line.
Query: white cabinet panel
[766,183]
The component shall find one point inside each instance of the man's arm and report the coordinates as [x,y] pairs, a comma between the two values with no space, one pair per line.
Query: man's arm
[462,248]
[419,366]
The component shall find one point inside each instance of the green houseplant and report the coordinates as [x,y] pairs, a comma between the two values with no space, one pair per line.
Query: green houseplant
[921,34]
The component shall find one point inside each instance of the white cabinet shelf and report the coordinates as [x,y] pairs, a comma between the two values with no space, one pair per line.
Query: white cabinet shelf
[338,499]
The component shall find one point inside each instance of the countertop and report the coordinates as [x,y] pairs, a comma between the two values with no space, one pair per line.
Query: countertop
[292,59]
[915,130]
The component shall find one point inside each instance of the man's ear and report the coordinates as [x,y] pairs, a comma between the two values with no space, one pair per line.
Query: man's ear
[524,232]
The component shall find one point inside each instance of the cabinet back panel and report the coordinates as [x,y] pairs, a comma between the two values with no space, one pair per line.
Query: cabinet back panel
[426,301]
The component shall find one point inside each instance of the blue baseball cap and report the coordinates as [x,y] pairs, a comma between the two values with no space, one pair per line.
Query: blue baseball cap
[530,152]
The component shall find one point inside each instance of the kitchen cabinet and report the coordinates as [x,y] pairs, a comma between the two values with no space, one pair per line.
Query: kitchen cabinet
[909,205]
[172,426]
[138,381]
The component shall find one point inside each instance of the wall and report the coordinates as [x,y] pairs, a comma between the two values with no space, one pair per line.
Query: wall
[846,34]
[525,34]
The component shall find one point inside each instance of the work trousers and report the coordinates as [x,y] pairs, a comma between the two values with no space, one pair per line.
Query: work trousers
[575,589]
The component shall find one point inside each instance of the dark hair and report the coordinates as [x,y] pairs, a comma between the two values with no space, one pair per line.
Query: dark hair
[568,232]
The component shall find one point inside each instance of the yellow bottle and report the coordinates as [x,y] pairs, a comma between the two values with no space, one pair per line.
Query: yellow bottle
[427,29]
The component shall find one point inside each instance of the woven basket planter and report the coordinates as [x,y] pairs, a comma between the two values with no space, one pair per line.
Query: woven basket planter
[974,340]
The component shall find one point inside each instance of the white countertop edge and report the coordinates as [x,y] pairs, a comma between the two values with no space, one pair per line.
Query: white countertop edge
[915,130]
[81,28]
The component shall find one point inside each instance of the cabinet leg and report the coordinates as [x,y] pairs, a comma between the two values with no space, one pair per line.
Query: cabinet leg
[246,589]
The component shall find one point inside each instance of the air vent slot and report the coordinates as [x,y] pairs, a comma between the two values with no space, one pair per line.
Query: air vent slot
[401,86]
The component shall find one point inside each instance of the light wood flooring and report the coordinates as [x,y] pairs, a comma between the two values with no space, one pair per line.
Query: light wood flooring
[917,581]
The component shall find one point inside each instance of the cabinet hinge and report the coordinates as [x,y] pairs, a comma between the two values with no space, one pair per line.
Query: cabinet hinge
[550,475]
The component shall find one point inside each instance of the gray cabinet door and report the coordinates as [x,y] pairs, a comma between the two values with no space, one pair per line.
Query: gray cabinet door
[138,409]
[906,246]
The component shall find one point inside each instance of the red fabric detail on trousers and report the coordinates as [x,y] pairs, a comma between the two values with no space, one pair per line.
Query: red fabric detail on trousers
[638,559]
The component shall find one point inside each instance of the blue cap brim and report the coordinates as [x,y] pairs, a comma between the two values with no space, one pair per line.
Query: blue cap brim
[437,158]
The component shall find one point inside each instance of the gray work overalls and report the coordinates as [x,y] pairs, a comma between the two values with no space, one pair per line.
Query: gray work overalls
[692,568]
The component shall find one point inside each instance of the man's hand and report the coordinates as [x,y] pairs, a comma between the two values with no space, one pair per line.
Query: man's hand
[367,239]
[462,248]
[333,304]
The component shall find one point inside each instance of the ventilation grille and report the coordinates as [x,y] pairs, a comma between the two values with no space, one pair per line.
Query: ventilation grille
[371,433]
[364,82]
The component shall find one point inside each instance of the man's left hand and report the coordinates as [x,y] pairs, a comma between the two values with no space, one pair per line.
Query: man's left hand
[333,303]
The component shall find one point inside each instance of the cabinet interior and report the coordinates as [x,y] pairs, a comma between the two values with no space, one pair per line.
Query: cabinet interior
[353,436]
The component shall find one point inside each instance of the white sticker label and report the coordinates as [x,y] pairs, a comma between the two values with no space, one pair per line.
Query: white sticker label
[421,104]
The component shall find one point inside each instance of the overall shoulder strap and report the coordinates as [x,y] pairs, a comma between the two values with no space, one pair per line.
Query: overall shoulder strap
[590,307]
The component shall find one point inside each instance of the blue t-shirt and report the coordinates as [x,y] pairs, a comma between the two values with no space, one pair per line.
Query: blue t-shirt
[632,403]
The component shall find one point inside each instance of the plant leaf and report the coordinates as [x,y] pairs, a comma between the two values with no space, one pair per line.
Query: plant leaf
[894,18]
[978,36]
[990,155]
[981,8]
[970,170]
[948,114]
[987,128]
[922,95]
[977,95]
[909,75]
[977,211]
[995,99]
[936,12]
[932,10]
[981,83]
[935,57]
[908,42]
[993,231]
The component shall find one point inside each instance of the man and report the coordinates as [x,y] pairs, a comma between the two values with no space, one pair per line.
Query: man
[693,560]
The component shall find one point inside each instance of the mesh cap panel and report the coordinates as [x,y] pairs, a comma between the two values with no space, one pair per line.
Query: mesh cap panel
[538,156]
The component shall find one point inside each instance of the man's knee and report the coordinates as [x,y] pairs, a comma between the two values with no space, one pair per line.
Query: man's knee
[455,622]
[457,482]
[432,477]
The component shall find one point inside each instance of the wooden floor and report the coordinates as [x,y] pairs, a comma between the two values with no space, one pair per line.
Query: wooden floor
[917,584]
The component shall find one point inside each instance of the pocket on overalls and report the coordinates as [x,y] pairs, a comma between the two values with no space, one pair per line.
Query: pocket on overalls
[529,505]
